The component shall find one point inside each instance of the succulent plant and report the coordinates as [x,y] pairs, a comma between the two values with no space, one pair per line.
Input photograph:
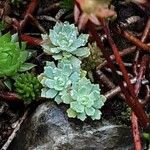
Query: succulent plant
[2,26]
[85,100]
[94,59]
[67,83]
[28,87]
[57,79]
[67,4]
[146,136]
[16,2]
[64,41]
[12,56]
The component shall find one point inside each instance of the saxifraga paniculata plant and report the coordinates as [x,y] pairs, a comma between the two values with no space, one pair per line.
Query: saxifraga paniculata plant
[85,100]
[28,87]
[66,82]
[56,80]
[64,42]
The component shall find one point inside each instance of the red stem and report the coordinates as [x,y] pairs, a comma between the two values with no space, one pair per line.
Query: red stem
[136,133]
[142,71]
[134,40]
[31,8]
[9,96]
[118,58]
[31,40]
[134,120]
[135,105]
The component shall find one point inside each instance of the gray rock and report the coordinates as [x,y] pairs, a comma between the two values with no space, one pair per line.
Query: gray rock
[49,129]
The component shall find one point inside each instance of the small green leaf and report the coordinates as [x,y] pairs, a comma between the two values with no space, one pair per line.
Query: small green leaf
[66,98]
[77,107]
[146,136]
[58,99]
[26,67]
[81,116]
[90,111]
[8,84]
[97,115]
[48,93]
[71,113]
[82,52]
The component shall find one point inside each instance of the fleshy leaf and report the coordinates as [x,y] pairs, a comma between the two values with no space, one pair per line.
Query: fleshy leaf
[48,93]
[78,108]
[26,67]
[82,52]
[71,113]
[81,116]
[58,99]
[90,111]
[97,115]
[66,98]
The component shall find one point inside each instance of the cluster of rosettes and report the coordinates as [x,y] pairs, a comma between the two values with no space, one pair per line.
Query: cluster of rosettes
[66,82]
[28,87]
[69,86]
[12,57]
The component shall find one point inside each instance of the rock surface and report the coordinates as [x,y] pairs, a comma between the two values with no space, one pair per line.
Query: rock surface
[49,129]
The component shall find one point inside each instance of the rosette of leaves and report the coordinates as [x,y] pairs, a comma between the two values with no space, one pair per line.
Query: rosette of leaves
[64,41]
[12,57]
[85,100]
[28,87]
[94,59]
[56,80]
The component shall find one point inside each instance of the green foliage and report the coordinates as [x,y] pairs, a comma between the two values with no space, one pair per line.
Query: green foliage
[146,136]
[64,41]
[28,87]
[12,56]
[94,59]
[16,2]
[66,82]
[126,115]
[67,4]
[85,100]
[2,26]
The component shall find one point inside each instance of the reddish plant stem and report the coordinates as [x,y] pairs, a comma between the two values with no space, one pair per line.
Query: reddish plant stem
[134,40]
[134,119]
[142,70]
[146,31]
[26,16]
[139,53]
[135,131]
[135,105]
[117,90]
[119,59]
[9,97]
[144,64]
[122,53]
[110,85]
[31,8]
[49,8]
[31,40]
